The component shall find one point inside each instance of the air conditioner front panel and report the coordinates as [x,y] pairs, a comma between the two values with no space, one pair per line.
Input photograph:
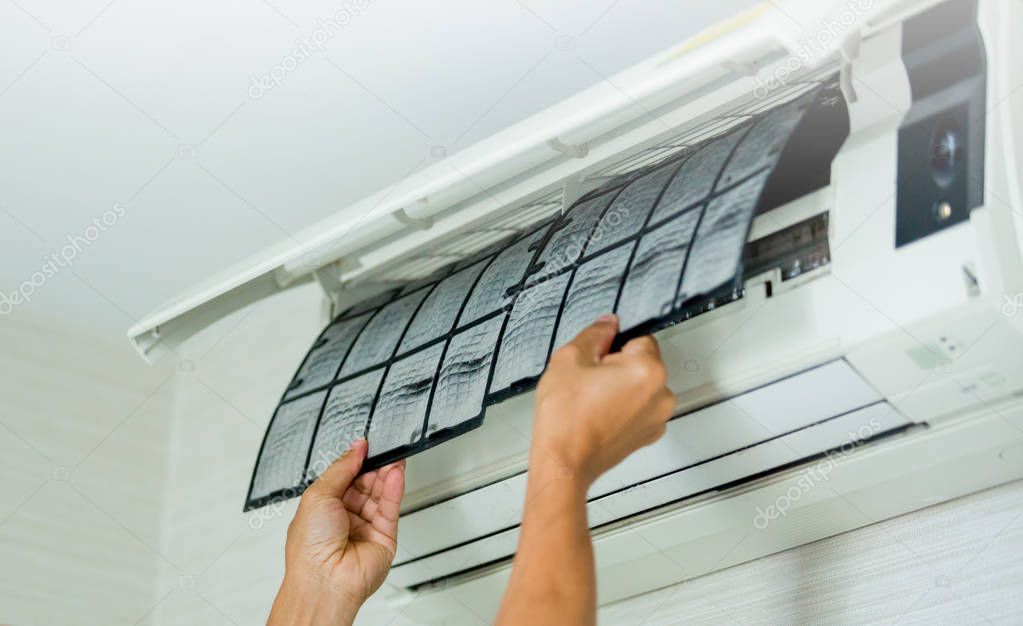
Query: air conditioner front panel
[775,410]
[842,432]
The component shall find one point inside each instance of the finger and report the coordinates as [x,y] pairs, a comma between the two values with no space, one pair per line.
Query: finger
[389,505]
[594,341]
[339,476]
[364,483]
[359,493]
[643,346]
[378,486]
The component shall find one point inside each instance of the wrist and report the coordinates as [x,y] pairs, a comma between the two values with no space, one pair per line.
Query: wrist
[550,465]
[304,600]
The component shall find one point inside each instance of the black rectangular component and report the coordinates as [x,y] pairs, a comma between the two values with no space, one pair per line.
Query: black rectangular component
[793,250]
[942,138]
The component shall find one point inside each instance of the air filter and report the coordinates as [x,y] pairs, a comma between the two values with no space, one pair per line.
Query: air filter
[417,366]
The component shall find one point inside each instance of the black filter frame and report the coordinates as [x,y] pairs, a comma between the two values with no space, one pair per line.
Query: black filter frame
[823,95]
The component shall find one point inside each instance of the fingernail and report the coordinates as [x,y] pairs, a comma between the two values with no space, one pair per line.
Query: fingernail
[608,317]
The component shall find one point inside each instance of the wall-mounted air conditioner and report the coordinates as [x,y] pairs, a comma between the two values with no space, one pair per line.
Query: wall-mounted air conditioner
[825,233]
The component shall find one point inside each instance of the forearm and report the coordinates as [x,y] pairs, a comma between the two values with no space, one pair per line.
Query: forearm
[302,601]
[553,580]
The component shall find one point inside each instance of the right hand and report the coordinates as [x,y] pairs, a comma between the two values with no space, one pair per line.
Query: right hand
[593,409]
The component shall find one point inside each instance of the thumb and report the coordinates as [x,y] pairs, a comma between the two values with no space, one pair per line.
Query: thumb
[342,472]
[594,341]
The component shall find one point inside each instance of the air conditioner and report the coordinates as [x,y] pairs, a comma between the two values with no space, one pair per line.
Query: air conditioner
[850,347]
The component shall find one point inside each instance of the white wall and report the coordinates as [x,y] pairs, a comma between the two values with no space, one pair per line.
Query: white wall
[83,432]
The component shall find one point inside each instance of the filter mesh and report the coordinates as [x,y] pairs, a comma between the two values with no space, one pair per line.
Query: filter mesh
[437,315]
[462,383]
[281,463]
[507,271]
[320,365]
[527,338]
[657,244]
[344,420]
[377,341]
[404,399]
[593,293]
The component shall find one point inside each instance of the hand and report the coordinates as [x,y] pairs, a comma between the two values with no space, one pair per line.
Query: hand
[593,409]
[341,543]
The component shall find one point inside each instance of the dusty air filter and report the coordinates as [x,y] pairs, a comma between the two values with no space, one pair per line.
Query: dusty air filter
[419,366]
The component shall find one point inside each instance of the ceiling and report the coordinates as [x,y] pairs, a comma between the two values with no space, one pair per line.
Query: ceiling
[146,117]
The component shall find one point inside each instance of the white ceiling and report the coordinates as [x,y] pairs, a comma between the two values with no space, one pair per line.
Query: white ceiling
[104,102]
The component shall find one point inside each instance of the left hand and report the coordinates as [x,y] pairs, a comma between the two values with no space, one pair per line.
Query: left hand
[342,540]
